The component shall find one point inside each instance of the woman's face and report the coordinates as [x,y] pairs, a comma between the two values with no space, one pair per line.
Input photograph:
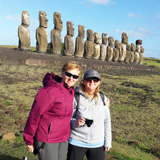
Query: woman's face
[70,77]
[91,85]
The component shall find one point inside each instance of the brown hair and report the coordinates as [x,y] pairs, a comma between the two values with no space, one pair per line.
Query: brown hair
[72,65]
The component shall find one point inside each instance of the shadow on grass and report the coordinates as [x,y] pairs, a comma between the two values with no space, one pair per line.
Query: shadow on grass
[5,157]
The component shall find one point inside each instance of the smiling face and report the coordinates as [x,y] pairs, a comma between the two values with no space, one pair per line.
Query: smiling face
[68,79]
[91,85]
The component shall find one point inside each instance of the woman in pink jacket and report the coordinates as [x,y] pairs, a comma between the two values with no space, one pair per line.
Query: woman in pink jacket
[48,126]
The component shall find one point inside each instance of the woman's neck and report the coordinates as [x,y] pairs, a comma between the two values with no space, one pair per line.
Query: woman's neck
[89,94]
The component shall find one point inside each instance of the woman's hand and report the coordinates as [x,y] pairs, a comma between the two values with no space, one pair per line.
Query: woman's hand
[30,148]
[107,149]
[108,102]
[81,122]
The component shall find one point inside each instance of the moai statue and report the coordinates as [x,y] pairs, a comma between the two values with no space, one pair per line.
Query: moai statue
[79,47]
[132,52]
[68,40]
[23,32]
[137,52]
[41,33]
[110,46]
[122,54]
[103,49]
[97,42]
[116,51]
[141,55]
[89,46]
[56,38]
[128,53]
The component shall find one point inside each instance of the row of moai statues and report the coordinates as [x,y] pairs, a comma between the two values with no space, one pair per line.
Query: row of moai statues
[94,47]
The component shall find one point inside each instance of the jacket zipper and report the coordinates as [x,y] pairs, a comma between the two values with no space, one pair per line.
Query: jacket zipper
[49,130]
[65,106]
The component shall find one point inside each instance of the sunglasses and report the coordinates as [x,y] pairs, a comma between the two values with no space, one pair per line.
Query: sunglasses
[71,75]
[90,80]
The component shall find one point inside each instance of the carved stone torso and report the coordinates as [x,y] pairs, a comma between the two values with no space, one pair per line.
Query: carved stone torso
[68,45]
[116,51]
[136,57]
[56,41]
[42,41]
[110,46]
[24,37]
[109,53]
[141,56]
[103,51]
[136,54]
[79,47]
[122,54]
[96,54]
[128,54]
[89,49]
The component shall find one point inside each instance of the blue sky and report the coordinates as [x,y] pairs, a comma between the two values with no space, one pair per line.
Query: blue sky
[140,19]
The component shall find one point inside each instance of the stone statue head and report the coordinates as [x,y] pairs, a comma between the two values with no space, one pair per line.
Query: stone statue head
[81,31]
[132,47]
[90,36]
[58,24]
[117,45]
[104,38]
[97,38]
[25,18]
[124,38]
[42,19]
[111,41]
[70,28]
[142,49]
[139,41]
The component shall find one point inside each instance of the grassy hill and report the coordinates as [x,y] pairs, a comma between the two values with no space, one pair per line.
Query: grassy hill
[135,109]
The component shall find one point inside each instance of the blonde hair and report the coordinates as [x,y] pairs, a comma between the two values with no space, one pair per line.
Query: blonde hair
[72,65]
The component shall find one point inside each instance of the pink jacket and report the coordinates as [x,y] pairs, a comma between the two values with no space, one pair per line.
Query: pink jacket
[49,118]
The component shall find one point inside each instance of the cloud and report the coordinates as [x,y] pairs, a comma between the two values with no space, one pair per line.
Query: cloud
[158,15]
[132,15]
[13,18]
[139,33]
[101,1]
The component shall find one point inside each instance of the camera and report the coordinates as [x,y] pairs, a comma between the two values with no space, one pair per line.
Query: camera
[88,122]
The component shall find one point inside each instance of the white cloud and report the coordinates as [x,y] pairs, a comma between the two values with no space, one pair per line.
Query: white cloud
[139,33]
[158,15]
[100,1]
[13,18]
[131,15]
[117,30]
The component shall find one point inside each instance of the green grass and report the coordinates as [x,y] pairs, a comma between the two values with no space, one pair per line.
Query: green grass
[154,62]
[135,110]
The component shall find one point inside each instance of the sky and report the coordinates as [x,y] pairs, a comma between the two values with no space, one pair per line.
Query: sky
[140,19]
